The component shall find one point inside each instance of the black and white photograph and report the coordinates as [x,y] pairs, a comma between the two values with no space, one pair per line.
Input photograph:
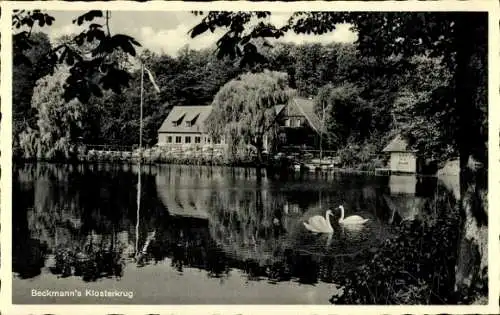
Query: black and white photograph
[243,157]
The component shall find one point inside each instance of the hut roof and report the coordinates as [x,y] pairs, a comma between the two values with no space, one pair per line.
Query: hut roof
[398,144]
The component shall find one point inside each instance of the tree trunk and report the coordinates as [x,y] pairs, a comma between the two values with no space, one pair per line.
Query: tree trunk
[471,277]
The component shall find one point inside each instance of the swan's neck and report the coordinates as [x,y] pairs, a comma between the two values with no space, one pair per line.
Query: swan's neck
[327,215]
[341,214]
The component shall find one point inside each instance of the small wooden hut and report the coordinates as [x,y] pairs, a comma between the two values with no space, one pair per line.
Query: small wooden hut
[402,159]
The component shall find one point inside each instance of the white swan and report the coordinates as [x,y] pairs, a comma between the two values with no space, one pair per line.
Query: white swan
[353,219]
[318,224]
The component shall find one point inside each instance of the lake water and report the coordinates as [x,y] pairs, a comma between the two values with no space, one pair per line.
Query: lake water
[211,235]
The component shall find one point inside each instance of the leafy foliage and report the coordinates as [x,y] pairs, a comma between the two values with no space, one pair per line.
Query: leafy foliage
[244,108]
[194,77]
[347,114]
[409,268]
[25,76]
[445,36]
[58,123]
[91,71]
[457,108]
[239,41]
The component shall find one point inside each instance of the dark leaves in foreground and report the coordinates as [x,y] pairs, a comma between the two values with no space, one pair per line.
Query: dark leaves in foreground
[23,18]
[87,17]
[90,71]
[238,41]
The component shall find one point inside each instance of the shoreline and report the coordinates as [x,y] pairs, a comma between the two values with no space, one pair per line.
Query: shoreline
[273,169]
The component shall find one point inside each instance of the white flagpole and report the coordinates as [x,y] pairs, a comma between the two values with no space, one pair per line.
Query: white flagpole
[142,93]
[139,170]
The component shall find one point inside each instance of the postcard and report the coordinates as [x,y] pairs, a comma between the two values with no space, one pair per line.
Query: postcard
[238,157]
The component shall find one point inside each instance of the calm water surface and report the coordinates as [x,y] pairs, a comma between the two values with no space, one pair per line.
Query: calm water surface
[205,234]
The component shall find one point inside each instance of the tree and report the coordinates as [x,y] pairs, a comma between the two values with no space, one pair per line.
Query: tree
[414,117]
[91,71]
[58,123]
[244,108]
[25,76]
[459,39]
[282,58]
[347,114]
[94,56]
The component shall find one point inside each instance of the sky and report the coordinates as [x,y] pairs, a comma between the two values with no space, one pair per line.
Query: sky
[167,32]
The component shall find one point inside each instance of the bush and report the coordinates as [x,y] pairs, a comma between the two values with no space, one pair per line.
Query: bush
[197,156]
[415,267]
[363,157]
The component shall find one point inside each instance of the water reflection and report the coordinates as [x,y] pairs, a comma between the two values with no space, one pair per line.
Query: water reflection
[80,221]
[407,196]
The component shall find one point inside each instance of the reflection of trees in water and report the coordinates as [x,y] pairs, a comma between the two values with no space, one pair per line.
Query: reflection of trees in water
[78,216]
[105,258]
[57,209]
[252,226]
[247,223]
[187,243]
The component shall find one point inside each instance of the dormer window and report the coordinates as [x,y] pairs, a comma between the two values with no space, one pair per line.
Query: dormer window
[178,121]
[192,120]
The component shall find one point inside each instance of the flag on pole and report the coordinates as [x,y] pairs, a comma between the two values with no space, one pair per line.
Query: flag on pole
[150,75]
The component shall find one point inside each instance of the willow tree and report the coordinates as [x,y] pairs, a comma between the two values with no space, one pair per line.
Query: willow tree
[244,109]
[58,122]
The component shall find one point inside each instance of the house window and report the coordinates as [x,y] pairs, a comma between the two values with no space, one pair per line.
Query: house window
[197,139]
[287,122]
[216,141]
[187,139]
[299,122]
[174,123]
[188,124]
[178,139]
[169,139]
[208,140]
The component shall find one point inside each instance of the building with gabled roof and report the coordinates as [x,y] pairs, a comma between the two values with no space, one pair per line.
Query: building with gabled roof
[301,127]
[305,108]
[402,159]
[185,125]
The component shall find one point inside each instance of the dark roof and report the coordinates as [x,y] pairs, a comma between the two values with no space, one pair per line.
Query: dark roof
[306,107]
[398,144]
[187,113]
